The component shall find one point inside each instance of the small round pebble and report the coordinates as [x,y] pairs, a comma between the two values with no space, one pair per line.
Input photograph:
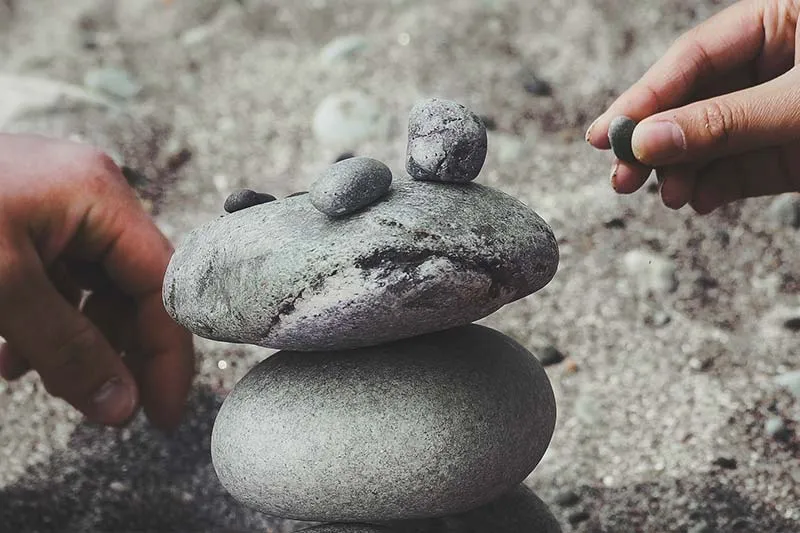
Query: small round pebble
[446,142]
[620,133]
[549,355]
[350,185]
[567,499]
[245,198]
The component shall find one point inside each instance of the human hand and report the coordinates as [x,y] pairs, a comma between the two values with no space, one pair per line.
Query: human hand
[70,222]
[720,112]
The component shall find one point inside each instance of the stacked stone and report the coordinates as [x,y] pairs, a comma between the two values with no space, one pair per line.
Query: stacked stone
[387,410]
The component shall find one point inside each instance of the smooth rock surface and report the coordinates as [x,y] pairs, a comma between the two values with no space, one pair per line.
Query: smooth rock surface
[620,134]
[429,426]
[517,511]
[446,142]
[346,119]
[245,198]
[350,185]
[429,257]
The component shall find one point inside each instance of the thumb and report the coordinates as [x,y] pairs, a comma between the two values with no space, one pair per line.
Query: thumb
[71,355]
[742,121]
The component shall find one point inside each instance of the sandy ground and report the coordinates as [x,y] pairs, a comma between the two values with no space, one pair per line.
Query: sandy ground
[665,393]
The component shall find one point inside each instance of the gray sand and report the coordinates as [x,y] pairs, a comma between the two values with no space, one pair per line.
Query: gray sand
[645,407]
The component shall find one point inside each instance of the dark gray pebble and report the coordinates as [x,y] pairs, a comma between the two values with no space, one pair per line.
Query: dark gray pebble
[245,198]
[535,85]
[446,142]
[345,155]
[578,516]
[792,324]
[549,355]
[567,499]
[350,185]
[620,133]
[727,463]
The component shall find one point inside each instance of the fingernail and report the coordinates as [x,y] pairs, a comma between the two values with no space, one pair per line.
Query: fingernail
[614,176]
[113,402]
[588,135]
[658,142]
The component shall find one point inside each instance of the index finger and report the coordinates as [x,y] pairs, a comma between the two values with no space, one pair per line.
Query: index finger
[733,37]
[120,235]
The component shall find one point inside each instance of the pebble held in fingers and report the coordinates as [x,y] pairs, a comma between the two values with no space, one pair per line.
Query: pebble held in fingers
[446,142]
[620,134]
[246,198]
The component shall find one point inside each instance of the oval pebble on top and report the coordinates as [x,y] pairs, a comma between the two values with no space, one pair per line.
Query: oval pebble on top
[350,185]
[620,133]
[246,198]
[446,142]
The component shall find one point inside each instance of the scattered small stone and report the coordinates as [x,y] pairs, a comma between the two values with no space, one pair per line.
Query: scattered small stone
[700,527]
[112,82]
[776,428]
[727,463]
[792,324]
[345,47]
[567,498]
[652,187]
[489,122]
[343,120]
[344,155]
[657,274]
[178,159]
[245,198]
[785,210]
[615,223]
[578,516]
[620,133]
[135,178]
[550,355]
[446,142]
[535,85]
[701,364]
[658,319]
[790,381]
[350,185]
[570,366]
[298,193]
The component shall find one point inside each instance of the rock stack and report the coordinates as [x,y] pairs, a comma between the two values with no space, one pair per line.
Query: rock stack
[386,410]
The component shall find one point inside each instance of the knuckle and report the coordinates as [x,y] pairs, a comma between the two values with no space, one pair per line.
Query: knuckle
[68,372]
[719,121]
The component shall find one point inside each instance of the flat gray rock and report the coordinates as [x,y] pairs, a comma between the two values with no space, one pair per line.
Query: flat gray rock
[350,185]
[446,142]
[427,257]
[424,427]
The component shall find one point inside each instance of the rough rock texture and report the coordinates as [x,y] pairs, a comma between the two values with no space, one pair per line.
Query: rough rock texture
[446,142]
[620,135]
[350,185]
[517,511]
[429,426]
[428,257]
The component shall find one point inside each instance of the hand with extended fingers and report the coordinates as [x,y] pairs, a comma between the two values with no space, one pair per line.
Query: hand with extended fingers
[719,115]
[69,223]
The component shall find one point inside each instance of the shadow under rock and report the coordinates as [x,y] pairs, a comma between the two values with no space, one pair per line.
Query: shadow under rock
[132,479]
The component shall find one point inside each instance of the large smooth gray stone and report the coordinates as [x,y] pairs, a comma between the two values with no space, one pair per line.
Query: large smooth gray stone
[429,256]
[518,511]
[430,426]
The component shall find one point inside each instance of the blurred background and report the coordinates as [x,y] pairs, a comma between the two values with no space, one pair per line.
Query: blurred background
[670,338]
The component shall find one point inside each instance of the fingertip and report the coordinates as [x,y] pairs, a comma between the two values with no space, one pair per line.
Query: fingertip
[677,185]
[12,367]
[597,134]
[627,178]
